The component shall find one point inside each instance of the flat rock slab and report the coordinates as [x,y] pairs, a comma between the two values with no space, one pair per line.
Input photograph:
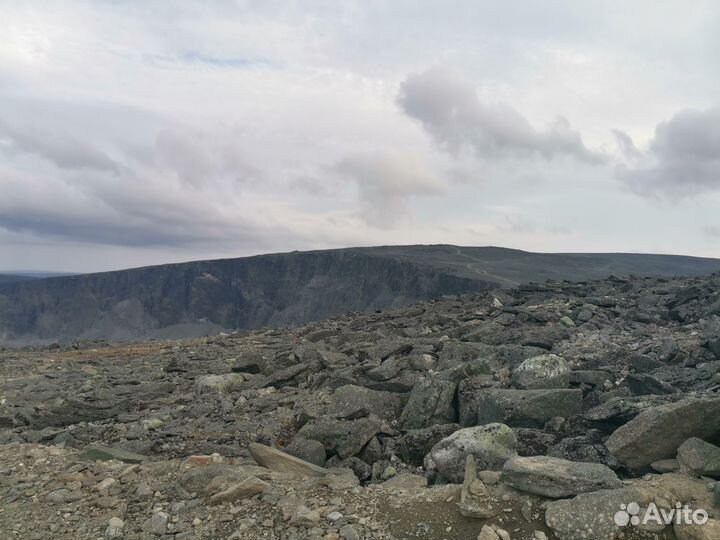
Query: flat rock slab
[556,478]
[279,461]
[243,490]
[106,453]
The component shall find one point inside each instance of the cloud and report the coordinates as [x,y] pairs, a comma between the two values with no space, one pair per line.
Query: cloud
[626,146]
[385,180]
[59,147]
[683,158]
[448,107]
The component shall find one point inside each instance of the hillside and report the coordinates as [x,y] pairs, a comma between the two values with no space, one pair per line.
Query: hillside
[202,297]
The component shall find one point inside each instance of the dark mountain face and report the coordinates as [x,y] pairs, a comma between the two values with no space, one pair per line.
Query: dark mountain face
[197,298]
[14,278]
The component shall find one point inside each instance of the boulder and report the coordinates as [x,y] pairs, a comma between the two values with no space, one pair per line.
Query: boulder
[217,385]
[700,457]
[526,408]
[431,402]
[279,461]
[250,362]
[545,371]
[706,531]
[307,450]
[414,445]
[469,394]
[585,448]
[491,445]
[590,515]
[342,437]
[658,432]
[665,465]
[643,384]
[618,410]
[351,401]
[556,478]
[594,378]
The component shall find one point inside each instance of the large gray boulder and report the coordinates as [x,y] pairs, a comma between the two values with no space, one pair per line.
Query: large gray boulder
[545,371]
[342,437]
[556,478]
[590,516]
[430,402]
[415,444]
[307,450]
[526,408]
[351,401]
[658,432]
[469,394]
[699,457]
[491,445]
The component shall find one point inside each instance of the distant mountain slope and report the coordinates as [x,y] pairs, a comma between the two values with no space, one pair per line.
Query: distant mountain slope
[512,266]
[13,278]
[195,298]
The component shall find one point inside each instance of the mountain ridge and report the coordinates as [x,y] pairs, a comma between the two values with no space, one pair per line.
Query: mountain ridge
[203,297]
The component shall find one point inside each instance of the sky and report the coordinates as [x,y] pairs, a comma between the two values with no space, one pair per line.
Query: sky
[145,132]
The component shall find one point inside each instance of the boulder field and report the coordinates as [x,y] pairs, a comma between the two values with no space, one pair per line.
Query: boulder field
[559,410]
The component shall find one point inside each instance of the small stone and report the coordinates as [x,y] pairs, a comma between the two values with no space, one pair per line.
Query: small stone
[488,533]
[143,492]
[304,517]
[115,528]
[539,535]
[489,478]
[157,524]
[389,472]
[334,516]
[105,484]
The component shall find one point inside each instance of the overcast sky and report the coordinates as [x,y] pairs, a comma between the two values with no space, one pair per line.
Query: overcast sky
[135,133]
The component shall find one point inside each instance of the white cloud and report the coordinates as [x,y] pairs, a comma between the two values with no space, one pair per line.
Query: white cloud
[166,132]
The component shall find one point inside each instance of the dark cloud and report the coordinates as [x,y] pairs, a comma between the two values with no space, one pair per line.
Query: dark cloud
[128,212]
[449,109]
[683,157]
[58,147]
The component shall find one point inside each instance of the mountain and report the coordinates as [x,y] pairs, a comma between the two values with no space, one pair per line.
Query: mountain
[202,297]
[13,278]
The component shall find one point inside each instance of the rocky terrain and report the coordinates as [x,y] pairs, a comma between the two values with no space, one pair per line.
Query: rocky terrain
[201,298]
[557,411]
